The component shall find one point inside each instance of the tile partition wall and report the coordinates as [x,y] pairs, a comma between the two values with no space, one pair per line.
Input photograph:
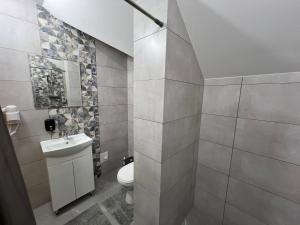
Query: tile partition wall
[130,104]
[167,86]
[248,162]
[19,38]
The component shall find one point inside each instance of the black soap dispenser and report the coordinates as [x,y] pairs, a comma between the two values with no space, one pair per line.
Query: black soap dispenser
[50,125]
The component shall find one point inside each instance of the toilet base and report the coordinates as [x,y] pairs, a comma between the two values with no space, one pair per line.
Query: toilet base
[129,197]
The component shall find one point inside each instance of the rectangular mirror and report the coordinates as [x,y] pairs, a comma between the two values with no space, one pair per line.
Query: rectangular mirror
[55,83]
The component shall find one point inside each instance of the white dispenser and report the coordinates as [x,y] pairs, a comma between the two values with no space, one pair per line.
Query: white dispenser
[12,116]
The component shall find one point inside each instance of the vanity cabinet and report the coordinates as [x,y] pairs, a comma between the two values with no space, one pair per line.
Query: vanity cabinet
[70,177]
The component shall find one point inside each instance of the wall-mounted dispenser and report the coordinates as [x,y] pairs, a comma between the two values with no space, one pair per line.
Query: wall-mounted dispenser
[12,116]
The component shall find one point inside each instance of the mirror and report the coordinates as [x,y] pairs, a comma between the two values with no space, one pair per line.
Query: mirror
[55,83]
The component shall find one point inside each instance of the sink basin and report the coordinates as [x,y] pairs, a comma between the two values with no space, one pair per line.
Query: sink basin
[63,147]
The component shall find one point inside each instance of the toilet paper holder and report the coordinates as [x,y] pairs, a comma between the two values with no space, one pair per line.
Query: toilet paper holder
[12,117]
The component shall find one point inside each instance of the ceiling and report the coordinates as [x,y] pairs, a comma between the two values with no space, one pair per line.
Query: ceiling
[235,37]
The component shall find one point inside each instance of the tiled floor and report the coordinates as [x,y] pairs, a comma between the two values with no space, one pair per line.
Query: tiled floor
[106,188]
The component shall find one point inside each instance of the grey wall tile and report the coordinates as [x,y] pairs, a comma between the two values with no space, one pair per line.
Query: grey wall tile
[24,10]
[39,194]
[177,202]
[276,78]
[214,156]
[276,140]
[209,204]
[266,207]
[19,35]
[181,62]
[112,96]
[29,150]
[112,114]
[196,217]
[146,206]
[175,21]
[143,26]
[221,100]
[172,172]
[234,216]
[110,57]
[130,96]
[148,138]
[271,102]
[275,176]
[147,173]
[35,172]
[32,123]
[17,93]
[149,57]
[211,181]
[178,134]
[112,131]
[181,100]
[218,129]
[8,61]
[149,99]
[116,146]
[223,81]
[110,77]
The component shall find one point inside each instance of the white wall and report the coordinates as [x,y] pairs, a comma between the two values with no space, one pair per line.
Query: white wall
[110,21]
[235,37]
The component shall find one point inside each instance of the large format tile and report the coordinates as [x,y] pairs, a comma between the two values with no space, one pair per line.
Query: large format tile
[221,100]
[275,176]
[275,140]
[17,93]
[34,173]
[8,61]
[211,181]
[175,21]
[181,62]
[112,114]
[110,57]
[24,9]
[172,173]
[195,217]
[149,99]
[146,206]
[150,57]
[148,138]
[39,194]
[266,207]
[233,216]
[218,129]
[209,204]
[181,100]
[214,156]
[147,173]
[112,131]
[271,102]
[143,26]
[112,96]
[32,123]
[110,77]
[29,150]
[178,134]
[19,35]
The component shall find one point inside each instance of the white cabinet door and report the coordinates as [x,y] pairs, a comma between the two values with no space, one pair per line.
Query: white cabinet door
[62,188]
[84,175]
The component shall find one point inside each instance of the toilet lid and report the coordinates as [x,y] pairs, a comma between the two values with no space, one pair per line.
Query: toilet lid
[125,174]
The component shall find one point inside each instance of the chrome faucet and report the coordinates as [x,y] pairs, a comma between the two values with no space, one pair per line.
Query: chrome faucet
[66,134]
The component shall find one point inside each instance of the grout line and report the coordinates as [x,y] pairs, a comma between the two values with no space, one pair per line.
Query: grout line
[160,29]
[215,170]
[166,122]
[211,114]
[237,113]
[22,19]
[19,50]
[210,141]
[264,190]
[178,35]
[169,79]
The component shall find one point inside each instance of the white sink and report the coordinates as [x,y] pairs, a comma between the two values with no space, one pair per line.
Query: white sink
[63,147]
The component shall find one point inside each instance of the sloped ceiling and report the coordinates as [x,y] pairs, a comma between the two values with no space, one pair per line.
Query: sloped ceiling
[244,37]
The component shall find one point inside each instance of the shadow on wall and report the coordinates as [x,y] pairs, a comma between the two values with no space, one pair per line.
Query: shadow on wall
[240,55]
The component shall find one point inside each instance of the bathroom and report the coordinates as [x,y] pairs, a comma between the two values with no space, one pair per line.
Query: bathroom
[149,112]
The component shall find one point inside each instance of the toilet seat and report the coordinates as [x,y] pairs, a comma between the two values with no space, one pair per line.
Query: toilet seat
[126,175]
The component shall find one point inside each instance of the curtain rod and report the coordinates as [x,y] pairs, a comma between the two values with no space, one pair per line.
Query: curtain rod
[157,21]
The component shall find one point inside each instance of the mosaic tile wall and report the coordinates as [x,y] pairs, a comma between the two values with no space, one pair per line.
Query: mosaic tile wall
[63,42]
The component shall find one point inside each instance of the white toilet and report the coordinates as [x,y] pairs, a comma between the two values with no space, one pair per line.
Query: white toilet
[126,177]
